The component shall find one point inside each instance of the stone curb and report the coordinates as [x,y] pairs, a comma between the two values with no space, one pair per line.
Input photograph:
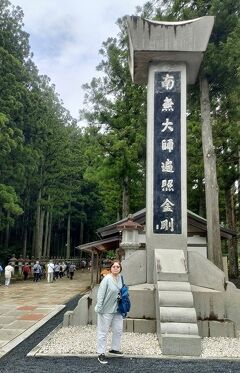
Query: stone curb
[34,351]
[163,357]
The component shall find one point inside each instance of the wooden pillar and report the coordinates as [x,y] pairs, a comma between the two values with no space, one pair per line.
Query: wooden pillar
[92,260]
[97,269]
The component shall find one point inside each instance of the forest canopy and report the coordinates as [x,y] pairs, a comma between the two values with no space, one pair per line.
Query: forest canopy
[59,182]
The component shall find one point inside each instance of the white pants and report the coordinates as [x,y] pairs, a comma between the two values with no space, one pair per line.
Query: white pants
[104,322]
[7,281]
[50,277]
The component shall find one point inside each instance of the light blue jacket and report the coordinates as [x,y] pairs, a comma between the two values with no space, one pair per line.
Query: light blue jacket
[107,297]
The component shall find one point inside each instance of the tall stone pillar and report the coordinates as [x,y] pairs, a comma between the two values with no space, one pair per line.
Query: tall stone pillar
[166,56]
[166,199]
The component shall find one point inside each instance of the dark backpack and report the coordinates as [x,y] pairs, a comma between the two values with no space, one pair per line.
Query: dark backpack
[37,268]
[124,303]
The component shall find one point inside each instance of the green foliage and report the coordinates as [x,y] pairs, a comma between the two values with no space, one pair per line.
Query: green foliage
[10,138]
[116,108]
[111,254]
[42,161]
[13,38]
[9,206]
[97,174]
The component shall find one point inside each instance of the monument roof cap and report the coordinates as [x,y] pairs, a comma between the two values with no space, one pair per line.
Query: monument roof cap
[160,41]
[168,23]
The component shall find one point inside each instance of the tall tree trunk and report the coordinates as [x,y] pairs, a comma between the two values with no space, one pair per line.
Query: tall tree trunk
[232,244]
[68,233]
[211,185]
[125,197]
[34,242]
[81,237]
[25,223]
[46,235]
[7,232]
[41,232]
[38,246]
[81,233]
[49,236]
[1,233]
[238,193]
[25,235]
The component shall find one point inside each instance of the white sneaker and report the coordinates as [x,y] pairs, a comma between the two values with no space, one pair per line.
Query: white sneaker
[102,359]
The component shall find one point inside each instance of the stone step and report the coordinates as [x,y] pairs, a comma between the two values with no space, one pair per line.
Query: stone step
[182,299]
[178,315]
[163,276]
[181,345]
[174,286]
[179,328]
[170,265]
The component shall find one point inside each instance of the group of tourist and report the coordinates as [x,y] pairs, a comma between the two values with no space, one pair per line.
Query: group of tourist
[57,270]
[52,271]
[108,315]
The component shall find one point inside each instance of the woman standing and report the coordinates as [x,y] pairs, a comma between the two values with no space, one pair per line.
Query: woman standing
[108,316]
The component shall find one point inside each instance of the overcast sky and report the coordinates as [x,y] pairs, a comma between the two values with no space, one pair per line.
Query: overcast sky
[65,37]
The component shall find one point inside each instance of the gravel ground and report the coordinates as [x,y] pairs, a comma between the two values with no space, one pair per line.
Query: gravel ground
[16,360]
[82,340]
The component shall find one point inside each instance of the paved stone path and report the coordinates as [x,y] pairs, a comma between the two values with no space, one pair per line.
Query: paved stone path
[26,305]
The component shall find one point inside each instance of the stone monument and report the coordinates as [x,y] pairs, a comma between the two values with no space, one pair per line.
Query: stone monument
[166,56]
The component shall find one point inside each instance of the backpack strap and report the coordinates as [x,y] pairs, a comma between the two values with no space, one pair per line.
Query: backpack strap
[122,281]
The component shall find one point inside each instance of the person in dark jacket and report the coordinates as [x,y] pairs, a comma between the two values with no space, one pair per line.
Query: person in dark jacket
[36,271]
[72,269]
[26,271]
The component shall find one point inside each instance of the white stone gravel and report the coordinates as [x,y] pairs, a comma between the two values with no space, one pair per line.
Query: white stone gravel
[78,340]
[221,347]
[82,340]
